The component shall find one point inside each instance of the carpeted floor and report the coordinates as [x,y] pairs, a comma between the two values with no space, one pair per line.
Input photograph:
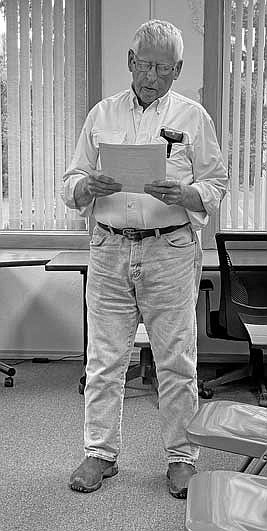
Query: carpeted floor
[42,442]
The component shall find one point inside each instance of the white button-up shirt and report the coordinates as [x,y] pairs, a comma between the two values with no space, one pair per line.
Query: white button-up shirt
[198,161]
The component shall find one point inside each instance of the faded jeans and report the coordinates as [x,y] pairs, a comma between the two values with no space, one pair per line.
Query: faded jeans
[157,278]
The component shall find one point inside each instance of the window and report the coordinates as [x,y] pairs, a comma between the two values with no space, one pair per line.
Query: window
[244,117]
[235,95]
[44,69]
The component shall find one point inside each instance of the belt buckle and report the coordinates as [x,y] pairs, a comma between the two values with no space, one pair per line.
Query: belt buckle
[130,233]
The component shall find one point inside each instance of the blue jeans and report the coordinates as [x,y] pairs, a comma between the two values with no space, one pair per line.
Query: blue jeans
[157,278]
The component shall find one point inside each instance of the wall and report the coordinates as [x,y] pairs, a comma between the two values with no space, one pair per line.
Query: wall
[41,312]
[120,20]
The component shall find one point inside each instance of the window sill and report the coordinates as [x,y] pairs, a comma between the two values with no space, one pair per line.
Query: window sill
[44,240]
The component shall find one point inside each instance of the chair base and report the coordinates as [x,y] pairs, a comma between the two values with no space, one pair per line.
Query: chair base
[10,371]
[254,371]
[146,369]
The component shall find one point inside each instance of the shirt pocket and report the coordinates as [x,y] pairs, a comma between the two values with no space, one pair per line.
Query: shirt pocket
[112,136]
[179,165]
[109,136]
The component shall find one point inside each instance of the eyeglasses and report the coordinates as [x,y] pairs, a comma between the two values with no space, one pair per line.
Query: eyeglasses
[145,66]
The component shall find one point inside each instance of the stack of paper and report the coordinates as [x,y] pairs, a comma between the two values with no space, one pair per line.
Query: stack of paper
[133,165]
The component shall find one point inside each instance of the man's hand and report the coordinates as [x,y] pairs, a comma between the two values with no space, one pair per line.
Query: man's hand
[170,192]
[94,185]
[175,193]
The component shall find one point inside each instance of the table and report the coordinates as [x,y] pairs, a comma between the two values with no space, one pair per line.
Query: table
[74,261]
[25,257]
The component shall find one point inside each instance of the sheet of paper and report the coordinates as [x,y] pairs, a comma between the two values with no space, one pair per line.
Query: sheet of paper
[133,165]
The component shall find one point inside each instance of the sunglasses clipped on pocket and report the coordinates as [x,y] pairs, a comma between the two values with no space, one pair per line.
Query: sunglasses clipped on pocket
[172,137]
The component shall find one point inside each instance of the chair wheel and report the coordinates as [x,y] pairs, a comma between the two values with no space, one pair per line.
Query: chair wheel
[9,382]
[81,388]
[262,399]
[82,384]
[205,392]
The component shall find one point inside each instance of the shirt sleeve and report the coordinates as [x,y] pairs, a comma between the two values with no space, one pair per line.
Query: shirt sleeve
[83,161]
[210,174]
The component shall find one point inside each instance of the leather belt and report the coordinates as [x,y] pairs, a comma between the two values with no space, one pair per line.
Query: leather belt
[139,234]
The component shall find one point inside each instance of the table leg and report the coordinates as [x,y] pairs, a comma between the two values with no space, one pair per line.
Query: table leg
[85,334]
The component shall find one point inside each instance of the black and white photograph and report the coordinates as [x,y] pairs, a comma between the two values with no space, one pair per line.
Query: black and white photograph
[133,265]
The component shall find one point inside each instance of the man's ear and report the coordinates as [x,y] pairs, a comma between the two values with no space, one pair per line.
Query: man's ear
[178,68]
[130,60]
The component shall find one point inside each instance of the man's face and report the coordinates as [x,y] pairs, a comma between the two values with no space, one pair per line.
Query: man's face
[150,86]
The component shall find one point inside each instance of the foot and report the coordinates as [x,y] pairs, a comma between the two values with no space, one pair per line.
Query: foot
[179,475]
[90,474]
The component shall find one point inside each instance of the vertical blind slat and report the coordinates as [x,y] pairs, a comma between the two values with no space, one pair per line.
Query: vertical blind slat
[59,109]
[13,116]
[248,115]
[258,180]
[37,109]
[226,99]
[25,116]
[1,161]
[48,114]
[80,87]
[236,116]
[69,92]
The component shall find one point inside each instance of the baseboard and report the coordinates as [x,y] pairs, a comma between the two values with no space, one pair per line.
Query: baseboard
[209,358]
[31,354]
[52,355]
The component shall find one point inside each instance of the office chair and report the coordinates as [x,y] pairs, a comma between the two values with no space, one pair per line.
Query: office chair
[220,500]
[10,371]
[243,294]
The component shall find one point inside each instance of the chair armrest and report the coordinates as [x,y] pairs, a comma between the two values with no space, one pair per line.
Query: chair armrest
[207,286]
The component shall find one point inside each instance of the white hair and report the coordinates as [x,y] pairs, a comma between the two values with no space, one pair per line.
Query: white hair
[159,33]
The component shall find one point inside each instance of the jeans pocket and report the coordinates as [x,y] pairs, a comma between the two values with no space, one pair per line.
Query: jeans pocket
[177,243]
[180,239]
[98,238]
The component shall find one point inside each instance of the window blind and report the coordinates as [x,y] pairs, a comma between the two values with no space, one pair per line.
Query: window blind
[244,115]
[45,76]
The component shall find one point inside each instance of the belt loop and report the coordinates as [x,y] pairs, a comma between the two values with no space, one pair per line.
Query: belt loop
[111,230]
[157,233]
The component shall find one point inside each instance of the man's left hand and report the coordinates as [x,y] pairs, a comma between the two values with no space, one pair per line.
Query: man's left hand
[170,192]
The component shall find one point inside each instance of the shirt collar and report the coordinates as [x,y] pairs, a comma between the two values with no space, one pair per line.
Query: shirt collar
[160,102]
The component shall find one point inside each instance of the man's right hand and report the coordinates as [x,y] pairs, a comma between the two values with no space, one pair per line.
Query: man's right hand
[94,185]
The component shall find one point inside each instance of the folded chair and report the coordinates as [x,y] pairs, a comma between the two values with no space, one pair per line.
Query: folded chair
[231,427]
[224,500]
[242,312]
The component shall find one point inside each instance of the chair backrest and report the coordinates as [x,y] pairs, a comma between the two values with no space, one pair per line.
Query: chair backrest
[233,287]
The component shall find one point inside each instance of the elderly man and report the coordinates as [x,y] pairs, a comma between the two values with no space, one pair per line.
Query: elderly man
[152,271]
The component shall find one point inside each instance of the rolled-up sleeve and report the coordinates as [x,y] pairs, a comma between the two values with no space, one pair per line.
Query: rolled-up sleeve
[210,174]
[83,161]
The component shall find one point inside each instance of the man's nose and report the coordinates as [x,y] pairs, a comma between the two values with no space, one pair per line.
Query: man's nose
[152,72]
